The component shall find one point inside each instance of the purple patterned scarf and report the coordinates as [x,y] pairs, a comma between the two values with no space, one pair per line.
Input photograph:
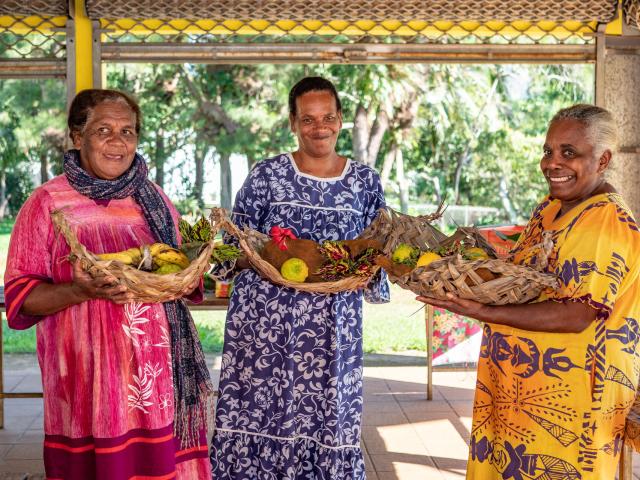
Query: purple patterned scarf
[192,385]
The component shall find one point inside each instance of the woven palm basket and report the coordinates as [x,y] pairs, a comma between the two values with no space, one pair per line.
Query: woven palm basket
[252,242]
[146,287]
[454,274]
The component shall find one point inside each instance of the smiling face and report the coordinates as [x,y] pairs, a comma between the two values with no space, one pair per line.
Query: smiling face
[569,163]
[317,123]
[108,141]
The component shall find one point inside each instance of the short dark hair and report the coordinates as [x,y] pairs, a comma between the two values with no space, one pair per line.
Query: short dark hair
[312,84]
[87,100]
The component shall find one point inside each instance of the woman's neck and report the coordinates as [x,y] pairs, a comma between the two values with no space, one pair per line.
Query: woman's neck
[566,206]
[324,167]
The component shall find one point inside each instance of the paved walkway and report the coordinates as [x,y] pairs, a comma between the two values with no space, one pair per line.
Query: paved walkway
[405,437]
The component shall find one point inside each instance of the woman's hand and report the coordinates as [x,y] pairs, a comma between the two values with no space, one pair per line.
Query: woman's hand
[49,298]
[546,316]
[85,287]
[188,290]
[461,306]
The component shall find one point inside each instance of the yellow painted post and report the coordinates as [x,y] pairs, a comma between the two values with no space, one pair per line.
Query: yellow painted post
[83,47]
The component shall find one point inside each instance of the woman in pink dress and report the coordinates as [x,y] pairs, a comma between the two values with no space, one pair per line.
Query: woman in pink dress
[126,388]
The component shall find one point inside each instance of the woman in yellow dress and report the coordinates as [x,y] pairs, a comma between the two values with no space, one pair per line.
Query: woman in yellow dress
[557,377]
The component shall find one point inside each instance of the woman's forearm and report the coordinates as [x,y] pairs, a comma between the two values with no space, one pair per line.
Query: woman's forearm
[50,298]
[547,316]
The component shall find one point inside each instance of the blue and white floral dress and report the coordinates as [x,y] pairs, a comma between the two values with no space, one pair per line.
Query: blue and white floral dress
[290,404]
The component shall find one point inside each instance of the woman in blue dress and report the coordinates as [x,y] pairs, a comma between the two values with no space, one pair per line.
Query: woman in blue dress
[290,404]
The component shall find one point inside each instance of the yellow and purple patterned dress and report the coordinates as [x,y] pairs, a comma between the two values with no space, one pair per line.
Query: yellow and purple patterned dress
[553,405]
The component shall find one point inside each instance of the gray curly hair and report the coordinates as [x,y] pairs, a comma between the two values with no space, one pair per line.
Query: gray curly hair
[599,123]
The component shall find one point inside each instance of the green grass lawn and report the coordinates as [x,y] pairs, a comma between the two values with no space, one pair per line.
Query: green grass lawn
[392,327]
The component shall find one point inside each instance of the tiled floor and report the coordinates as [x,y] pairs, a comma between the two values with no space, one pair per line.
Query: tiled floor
[405,437]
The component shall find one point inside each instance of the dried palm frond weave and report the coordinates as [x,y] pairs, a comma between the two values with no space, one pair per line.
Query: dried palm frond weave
[513,284]
[146,287]
[454,274]
[252,242]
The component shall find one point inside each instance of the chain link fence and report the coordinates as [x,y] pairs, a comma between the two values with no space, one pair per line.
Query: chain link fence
[339,31]
[353,10]
[35,29]
[41,37]
[342,21]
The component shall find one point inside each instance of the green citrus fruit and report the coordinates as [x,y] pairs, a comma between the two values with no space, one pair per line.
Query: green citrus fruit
[295,270]
[168,268]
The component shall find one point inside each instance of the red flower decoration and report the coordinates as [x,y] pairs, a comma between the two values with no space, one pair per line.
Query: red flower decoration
[279,235]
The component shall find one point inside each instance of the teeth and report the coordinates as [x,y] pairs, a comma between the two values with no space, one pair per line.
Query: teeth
[560,179]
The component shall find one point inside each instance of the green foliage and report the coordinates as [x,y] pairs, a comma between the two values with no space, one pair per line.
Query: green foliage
[31,126]
[19,187]
[468,134]
[188,207]
[18,341]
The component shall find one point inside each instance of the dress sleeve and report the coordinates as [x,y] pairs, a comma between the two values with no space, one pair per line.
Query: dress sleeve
[377,291]
[249,210]
[597,257]
[29,257]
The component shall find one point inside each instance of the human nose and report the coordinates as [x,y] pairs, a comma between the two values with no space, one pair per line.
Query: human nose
[551,161]
[116,137]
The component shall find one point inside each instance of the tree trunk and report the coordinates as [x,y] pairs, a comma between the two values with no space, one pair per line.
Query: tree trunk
[44,167]
[160,158]
[506,201]
[360,135]
[4,201]
[460,163]
[403,184]
[437,188]
[387,165]
[465,157]
[380,126]
[200,153]
[367,140]
[225,181]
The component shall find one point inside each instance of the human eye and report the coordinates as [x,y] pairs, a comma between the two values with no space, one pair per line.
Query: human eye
[546,152]
[330,118]
[307,121]
[568,153]
[128,133]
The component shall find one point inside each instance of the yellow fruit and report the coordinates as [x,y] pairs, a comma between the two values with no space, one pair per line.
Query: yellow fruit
[403,253]
[426,258]
[131,256]
[475,253]
[169,255]
[168,268]
[156,248]
[295,270]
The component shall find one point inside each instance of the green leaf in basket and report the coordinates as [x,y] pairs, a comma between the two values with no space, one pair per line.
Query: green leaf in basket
[224,253]
[185,231]
[191,249]
[514,237]
[201,231]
